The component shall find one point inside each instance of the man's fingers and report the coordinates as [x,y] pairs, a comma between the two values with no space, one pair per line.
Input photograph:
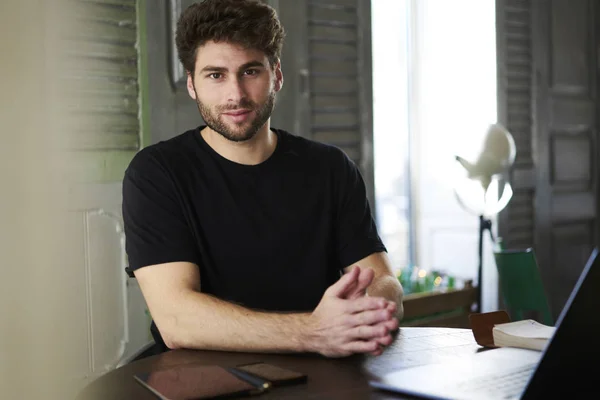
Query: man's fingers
[385,340]
[368,332]
[362,346]
[370,317]
[392,307]
[377,352]
[365,303]
[364,280]
[348,293]
[391,325]
[344,283]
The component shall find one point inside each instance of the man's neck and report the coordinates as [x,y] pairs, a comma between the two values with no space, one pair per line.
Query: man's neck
[249,152]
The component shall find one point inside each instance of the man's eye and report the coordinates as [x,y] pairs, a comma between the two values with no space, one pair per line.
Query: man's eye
[215,75]
[251,72]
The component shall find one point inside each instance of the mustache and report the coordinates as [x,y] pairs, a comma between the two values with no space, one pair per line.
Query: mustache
[243,104]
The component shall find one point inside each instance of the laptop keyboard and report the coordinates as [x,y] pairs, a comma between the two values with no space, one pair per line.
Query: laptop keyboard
[506,385]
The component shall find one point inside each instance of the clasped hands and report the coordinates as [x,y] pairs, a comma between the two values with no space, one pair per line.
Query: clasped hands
[347,321]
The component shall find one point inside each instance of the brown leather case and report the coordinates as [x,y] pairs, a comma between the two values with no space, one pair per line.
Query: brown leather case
[483,323]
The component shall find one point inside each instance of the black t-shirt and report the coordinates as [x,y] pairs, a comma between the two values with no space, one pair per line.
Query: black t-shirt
[272,236]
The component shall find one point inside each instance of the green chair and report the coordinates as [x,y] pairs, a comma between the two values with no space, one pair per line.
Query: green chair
[521,286]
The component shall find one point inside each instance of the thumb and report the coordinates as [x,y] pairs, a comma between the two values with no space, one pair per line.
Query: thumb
[344,283]
[363,280]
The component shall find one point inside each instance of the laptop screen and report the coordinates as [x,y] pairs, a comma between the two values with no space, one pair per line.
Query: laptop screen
[575,347]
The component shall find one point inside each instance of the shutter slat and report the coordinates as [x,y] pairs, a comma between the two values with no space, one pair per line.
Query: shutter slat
[115,3]
[106,103]
[333,59]
[334,49]
[331,118]
[334,3]
[335,15]
[518,231]
[351,8]
[88,66]
[102,50]
[104,123]
[321,65]
[119,16]
[102,86]
[102,32]
[333,86]
[98,141]
[335,110]
[316,39]
[332,129]
[333,33]
[323,101]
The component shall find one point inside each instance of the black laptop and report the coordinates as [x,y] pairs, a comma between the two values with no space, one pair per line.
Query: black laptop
[569,367]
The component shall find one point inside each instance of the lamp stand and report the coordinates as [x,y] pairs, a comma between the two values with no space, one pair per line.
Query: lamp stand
[485,224]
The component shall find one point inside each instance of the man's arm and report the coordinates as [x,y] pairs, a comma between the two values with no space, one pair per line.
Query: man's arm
[384,283]
[187,318]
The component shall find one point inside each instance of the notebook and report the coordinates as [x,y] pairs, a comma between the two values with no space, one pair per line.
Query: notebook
[526,334]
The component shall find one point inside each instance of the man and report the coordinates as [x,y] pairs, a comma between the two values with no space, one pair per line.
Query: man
[238,233]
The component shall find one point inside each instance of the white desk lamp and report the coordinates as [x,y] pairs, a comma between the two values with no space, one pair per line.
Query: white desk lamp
[482,192]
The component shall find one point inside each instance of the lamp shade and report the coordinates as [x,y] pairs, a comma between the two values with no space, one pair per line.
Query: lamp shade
[497,156]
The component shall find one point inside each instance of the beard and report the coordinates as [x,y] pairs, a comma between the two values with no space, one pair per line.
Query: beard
[240,132]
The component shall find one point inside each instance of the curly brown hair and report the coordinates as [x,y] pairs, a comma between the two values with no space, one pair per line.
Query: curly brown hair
[249,23]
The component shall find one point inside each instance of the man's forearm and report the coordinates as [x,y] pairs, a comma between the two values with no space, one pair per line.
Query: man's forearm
[202,321]
[389,288]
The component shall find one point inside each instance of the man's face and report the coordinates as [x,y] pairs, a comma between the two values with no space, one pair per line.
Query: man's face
[234,88]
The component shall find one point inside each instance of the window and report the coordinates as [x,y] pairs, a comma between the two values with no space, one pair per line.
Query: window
[434,89]
[390,34]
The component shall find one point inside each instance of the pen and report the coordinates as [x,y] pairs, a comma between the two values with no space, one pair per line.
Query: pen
[250,378]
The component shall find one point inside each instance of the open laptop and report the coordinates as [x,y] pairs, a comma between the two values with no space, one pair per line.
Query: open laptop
[563,368]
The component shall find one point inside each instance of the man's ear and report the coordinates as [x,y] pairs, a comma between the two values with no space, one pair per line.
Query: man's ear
[278,76]
[190,86]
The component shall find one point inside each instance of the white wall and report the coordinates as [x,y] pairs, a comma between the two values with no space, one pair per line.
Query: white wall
[115,322]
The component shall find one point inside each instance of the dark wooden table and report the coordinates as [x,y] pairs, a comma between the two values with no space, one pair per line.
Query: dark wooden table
[344,378]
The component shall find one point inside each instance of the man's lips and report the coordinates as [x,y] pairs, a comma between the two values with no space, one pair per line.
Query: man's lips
[237,112]
[238,116]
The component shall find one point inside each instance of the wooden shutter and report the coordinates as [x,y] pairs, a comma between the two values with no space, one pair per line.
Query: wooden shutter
[516,222]
[100,75]
[549,100]
[566,106]
[326,62]
[340,83]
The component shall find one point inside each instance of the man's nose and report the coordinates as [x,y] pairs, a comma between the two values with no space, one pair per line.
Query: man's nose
[235,90]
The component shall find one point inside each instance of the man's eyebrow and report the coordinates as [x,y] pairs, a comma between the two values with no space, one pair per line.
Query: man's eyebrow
[252,64]
[213,68]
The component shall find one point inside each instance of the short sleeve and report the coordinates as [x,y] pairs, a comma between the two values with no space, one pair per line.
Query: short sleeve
[156,230]
[356,231]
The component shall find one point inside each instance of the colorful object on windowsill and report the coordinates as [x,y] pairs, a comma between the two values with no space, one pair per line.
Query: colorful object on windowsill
[418,280]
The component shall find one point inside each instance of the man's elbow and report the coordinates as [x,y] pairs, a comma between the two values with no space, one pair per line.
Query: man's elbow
[169,332]
[171,342]
[399,300]
[399,309]
[395,293]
